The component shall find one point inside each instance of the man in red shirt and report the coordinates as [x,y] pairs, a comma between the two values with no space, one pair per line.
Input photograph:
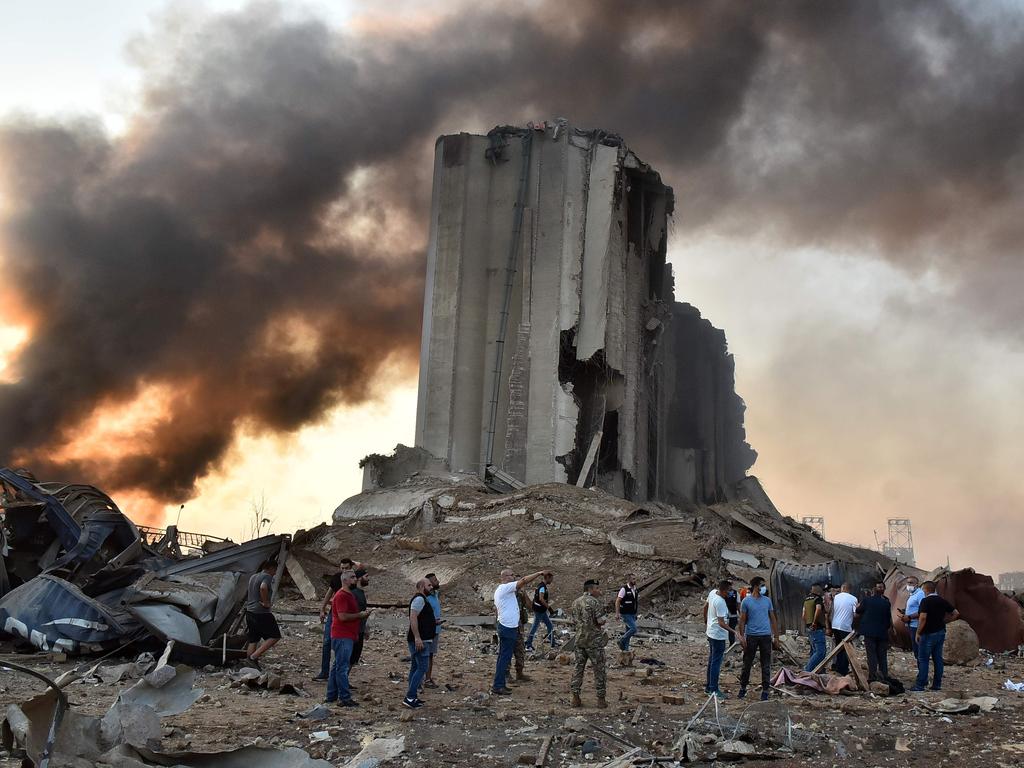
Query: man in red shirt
[345,619]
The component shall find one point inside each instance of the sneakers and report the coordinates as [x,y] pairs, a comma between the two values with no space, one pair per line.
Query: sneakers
[501,691]
[319,679]
[250,661]
[765,695]
[576,701]
[347,703]
[412,703]
[429,684]
[719,695]
[742,694]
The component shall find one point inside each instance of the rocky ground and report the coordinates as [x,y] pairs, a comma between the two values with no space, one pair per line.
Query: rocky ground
[651,703]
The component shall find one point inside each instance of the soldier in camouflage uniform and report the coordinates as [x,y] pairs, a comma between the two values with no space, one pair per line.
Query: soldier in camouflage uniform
[588,614]
[519,653]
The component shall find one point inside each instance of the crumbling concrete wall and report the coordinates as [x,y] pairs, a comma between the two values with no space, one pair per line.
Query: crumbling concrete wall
[548,306]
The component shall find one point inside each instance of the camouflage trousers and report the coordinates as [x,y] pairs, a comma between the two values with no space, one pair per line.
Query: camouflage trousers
[518,653]
[596,658]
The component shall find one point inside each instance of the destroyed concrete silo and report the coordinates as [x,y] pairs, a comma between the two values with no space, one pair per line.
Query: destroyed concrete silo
[553,349]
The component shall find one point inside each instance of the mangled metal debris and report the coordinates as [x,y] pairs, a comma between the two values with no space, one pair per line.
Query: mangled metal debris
[128,735]
[78,576]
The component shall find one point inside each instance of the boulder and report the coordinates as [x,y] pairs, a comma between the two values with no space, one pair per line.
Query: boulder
[961,643]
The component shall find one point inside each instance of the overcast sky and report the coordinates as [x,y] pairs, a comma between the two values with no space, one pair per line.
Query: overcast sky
[877,336]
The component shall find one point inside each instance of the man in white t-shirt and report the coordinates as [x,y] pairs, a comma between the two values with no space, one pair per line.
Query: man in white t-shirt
[717,613]
[843,606]
[507,605]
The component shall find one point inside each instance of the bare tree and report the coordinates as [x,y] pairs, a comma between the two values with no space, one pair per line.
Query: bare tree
[259,520]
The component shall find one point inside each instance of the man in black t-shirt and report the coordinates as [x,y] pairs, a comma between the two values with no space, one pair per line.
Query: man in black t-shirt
[932,617]
[541,611]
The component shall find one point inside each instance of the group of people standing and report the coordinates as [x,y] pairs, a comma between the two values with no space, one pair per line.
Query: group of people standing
[826,613]
[746,617]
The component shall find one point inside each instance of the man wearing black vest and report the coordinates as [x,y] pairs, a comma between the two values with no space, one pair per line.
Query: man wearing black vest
[626,603]
[422,629]
[541,611]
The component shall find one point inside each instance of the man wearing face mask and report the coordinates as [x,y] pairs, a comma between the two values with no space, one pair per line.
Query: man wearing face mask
[758,633]
[875,612]
[910,614]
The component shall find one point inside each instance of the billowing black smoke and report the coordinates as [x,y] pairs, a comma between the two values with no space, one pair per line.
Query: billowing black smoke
[212,247]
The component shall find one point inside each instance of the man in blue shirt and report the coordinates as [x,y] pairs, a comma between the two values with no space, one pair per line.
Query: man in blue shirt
[758,633]
[913,608]
[875,612]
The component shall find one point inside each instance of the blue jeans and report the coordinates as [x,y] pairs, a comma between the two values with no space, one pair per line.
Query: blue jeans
[337,683]
[930,648]
[418,661]
[818,652]
[506,647]
[716,650]
[538,617]
[325,654]
[629,620]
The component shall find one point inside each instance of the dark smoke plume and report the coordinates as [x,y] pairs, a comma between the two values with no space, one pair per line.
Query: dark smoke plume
[210,248]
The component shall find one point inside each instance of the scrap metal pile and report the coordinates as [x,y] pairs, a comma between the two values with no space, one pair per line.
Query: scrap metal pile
[76,575]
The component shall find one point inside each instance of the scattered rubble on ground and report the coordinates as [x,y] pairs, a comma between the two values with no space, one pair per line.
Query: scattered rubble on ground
[134,709]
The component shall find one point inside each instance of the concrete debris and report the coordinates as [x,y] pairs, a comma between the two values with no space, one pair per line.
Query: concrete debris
[962,706]
[376,752]
[81,578]
[128,735]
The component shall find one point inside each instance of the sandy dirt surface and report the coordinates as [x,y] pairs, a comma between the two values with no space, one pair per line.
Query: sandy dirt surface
[463,724]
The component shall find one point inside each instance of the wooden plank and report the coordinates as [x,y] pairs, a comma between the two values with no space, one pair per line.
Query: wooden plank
[653,586]
[833,653]
[858,672]
[588,462]
[636,715]
[542,753]
[282,558]
[302,581]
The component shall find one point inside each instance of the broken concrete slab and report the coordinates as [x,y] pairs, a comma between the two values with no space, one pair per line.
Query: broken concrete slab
[376,752]
[171,698]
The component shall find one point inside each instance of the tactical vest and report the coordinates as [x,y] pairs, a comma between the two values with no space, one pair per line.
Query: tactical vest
[628,603]
[537,604]
[425,621]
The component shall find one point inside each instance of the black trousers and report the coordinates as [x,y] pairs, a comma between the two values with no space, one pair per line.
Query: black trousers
[841,661]
[357,651]
[762,645]
[877,649]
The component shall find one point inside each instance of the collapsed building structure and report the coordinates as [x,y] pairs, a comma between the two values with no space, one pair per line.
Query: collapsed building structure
[78,576]
[553,349]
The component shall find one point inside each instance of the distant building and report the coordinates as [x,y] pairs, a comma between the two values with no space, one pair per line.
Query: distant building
[1011,582]
[553,348]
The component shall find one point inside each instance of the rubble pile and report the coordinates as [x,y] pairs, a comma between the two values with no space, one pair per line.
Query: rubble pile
[463,530]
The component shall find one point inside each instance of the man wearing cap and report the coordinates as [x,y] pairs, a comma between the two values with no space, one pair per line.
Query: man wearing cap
[588,614]
[507,605]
